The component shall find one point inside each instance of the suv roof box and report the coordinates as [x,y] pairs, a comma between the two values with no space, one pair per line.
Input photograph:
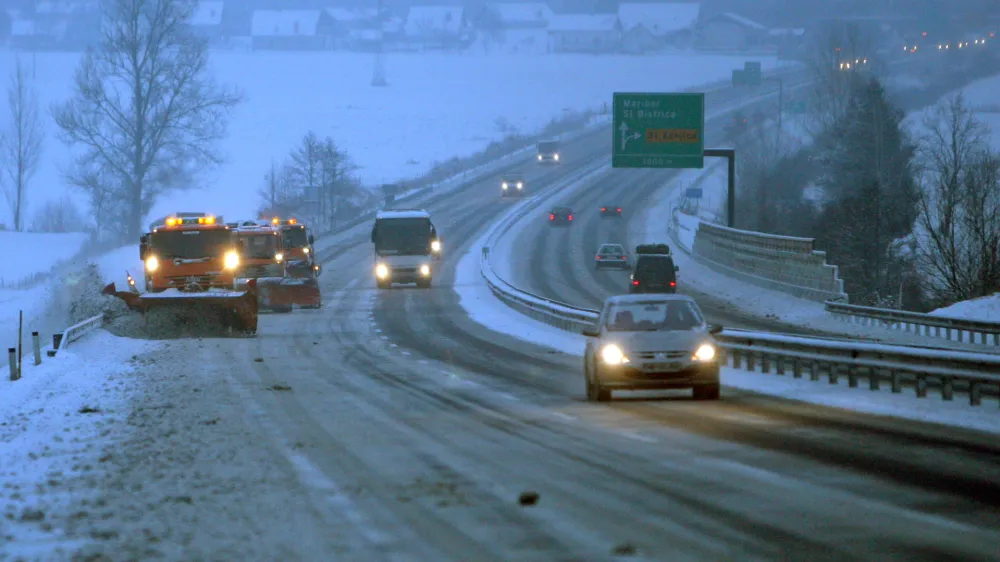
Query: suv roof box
[652,249]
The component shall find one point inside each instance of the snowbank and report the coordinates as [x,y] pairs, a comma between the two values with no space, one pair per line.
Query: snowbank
[437,106]
[986,309]
[52,435]
[28,253]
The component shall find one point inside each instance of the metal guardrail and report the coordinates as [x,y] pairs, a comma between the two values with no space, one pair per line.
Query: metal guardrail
[918,323]
[80,329]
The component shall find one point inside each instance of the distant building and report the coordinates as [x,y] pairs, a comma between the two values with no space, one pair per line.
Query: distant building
[731,32]
[293,30]
[521,27]
[438,27]
[207,20]
[651,27]
[584,33]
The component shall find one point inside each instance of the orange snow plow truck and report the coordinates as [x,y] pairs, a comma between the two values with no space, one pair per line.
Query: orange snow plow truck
[300,287]
[264,261]
[190,262]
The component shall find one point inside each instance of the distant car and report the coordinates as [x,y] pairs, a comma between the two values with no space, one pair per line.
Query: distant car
[548,152]
[611,211]
[512,185]
[612,256]
[654,270]
[651,342]
[561,216]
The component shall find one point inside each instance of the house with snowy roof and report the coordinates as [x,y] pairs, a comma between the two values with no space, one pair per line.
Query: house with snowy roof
[292,30]
[584,33]
[649,27]
[518,27]
[438,27]
[206,21]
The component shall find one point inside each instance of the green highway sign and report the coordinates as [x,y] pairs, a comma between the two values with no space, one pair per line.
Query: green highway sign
[658,131]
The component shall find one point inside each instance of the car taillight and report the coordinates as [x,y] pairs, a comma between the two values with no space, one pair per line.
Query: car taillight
[604,208]
[619,209]
[673,283]
[623,258]
[571,217]
[552,217]
[635,282]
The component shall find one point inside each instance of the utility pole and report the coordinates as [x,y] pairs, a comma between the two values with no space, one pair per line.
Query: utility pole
[378,75]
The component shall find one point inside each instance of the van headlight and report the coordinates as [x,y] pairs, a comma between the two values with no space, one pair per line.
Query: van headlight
[381,271]
[436,246]
[425,270]
[152,263]
[705,353]
[231,260]
[613,355]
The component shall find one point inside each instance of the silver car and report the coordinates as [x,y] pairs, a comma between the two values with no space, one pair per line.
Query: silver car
[651,342]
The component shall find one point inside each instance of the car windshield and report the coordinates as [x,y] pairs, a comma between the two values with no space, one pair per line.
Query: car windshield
[191,244]
[653,316]
[259,246]
[295,237]
[546,147]
[613,249]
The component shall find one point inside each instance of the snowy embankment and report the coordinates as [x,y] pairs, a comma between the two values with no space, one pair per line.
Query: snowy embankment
[58,424]
[981,98]
[483,307]
[436,107]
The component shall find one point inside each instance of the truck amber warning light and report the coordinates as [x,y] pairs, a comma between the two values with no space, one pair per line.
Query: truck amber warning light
[671,135]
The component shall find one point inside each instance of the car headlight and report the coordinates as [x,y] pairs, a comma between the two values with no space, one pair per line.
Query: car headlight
[613,355]
[555,156]
[152,263]
[381,271]
[520,185]
[504,185]
[539,156]
[425,270]
[436,246]
[231,260]
[705,353]
[279,256]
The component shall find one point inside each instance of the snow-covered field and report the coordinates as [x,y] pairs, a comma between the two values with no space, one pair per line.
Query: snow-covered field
[483,307]
[28,253]
[436,107]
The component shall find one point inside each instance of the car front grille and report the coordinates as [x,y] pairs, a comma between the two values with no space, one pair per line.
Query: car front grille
[661,355]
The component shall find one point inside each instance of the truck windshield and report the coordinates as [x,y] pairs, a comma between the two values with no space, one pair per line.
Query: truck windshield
[191,244]
[295,237]
[259,246]
[403,237]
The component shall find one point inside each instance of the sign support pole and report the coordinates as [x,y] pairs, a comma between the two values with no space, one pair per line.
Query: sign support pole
[730,155]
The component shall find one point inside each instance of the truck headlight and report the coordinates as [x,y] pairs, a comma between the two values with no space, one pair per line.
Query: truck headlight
[231,260]
[305,250]
[436,246]
[381,271]
[152,263]
[425,270]
[705,353]
[613,355]
[278,257]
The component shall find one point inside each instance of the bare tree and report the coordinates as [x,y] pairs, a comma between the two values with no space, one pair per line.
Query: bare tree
[831,89]
[144,107]
[306,169]
[277,195]
[959,217]
[61,215]
[22,143]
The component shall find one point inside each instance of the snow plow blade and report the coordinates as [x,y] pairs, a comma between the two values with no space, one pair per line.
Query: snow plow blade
[208,313]
[289,293]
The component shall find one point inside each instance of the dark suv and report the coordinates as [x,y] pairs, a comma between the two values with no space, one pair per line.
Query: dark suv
[561,216]
[654,270]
